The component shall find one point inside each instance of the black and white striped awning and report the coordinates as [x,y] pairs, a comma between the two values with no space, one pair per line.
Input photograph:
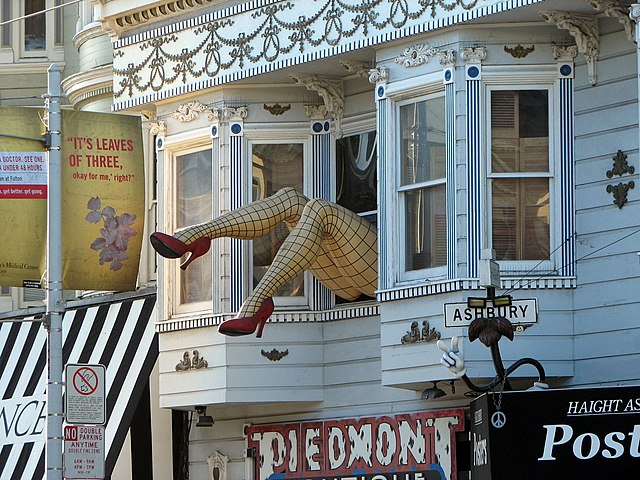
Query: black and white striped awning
[119,335]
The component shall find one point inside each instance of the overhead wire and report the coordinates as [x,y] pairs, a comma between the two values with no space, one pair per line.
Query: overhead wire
[40,12]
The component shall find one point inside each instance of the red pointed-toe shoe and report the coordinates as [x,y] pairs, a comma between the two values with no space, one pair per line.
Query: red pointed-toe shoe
[171,247]
[247,325]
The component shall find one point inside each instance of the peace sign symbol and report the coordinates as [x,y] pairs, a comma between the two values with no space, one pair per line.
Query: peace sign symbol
[498,419]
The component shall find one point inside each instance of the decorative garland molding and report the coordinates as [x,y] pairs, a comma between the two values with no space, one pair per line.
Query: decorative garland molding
[416,55]
[211,49]
[584,29]
[330,90]
[618,10]
[190,111]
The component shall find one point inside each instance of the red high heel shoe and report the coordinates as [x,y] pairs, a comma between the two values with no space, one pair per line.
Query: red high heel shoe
[247,325]
[171,247]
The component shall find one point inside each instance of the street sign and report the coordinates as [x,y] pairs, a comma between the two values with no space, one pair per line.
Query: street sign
[84,452]
[85,401]
[523,311]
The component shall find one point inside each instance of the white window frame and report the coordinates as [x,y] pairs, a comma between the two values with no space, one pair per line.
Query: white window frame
[17,51]
[173,148]
[262,134]
[553,262]
[350,128]
[432,273]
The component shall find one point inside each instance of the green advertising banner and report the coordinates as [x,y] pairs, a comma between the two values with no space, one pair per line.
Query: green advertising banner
[102,200]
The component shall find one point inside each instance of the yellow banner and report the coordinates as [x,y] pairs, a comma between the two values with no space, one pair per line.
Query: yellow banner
[102,200]
[23,203]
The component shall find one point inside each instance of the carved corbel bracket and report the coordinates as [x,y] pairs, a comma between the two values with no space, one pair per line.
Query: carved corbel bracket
[361,69]
[379,75]
[447,58]
[316,112]
[330,90]
[618,10]
[234,113]
[584,29]
[473,54]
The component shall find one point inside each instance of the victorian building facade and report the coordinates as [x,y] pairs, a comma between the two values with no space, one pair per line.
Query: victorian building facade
[466,131]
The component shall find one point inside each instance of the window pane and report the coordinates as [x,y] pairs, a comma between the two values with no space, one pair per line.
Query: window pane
[521,218]
[6,15]
[423,141]
[356,177]
[519,131]
[34,27]
[426,228]
[275,166]
[194,198]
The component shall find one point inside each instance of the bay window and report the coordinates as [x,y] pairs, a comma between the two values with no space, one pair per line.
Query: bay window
[275,166]
[520,174]
[193,172]
[422,184]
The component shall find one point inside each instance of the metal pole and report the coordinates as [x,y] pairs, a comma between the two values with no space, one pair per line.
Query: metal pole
[55,306]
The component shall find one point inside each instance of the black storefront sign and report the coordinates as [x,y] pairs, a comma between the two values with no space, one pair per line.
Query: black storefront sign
[566,434]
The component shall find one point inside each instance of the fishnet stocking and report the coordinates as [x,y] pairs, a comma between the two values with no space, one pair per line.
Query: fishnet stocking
[339,247]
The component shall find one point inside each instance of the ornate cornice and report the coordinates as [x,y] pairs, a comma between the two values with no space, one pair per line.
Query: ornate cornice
[255,37]
[584,29]
[618,10]
[331,91]
[120,23]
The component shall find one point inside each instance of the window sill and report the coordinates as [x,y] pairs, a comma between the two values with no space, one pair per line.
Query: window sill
[455,285]
[342,312]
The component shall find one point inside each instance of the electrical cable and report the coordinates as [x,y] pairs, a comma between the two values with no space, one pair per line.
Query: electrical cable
[55,7]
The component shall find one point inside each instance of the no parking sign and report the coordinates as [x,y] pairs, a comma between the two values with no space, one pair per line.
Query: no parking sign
[85,401]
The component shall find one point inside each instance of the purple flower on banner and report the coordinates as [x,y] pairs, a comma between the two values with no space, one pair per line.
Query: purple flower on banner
[116,232]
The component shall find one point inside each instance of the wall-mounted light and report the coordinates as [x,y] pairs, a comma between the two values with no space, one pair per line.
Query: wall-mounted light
[204,420]
[433,392]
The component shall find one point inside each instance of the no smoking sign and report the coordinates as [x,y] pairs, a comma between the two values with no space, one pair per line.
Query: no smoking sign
[85,401]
